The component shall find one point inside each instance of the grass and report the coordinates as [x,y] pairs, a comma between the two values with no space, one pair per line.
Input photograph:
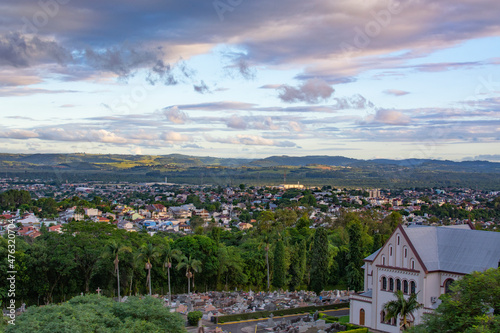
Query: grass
[344,319]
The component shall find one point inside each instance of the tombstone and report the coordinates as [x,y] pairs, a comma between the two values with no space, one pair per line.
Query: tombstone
[321,323]
[315,315]
[98,291]
[124,299]
[270,321]
[270,307]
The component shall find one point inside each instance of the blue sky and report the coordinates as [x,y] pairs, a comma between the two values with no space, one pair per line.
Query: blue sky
[363,79]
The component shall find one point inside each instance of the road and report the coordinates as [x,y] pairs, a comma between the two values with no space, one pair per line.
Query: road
[248,326]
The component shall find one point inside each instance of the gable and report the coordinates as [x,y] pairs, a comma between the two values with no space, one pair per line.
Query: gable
[397,252]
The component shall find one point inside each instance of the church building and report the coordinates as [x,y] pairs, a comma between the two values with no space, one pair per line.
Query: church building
[423,260]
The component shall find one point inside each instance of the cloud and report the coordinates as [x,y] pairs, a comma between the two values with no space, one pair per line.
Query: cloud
[239,65]
[295,126]
[353,102]
[395,92]
[388,117]
[265,124]
[250,140]
[19,51]
[175,137]
[270,86]
[201,88]
[485,157]
[26,91]
[175,115]
[19,134]
[218,106]
[312,91]
[192,146]
[236,122]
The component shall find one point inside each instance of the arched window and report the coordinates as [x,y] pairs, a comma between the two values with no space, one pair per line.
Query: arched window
[398,239]
[413,287]
[412,264]
[447,285]
[391,284]
[405,287]
[383,260]
[382,316]
[406,252]
[393,321]
[398,284]
[362,317]
[390,250]
[384,283]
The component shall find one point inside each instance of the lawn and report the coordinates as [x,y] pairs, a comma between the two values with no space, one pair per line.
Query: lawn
[344,319]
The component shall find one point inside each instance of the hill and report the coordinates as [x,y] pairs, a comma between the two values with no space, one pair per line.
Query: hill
[309,170]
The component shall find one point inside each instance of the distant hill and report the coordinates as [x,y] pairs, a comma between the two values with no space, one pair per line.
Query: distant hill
[317,170]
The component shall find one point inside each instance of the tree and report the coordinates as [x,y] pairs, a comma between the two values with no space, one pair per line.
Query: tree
[196,221]
[169,253]
[298,265]
[319,261]
[93,313]
[279,265]
[190,264]
[354,273]
[264,225]
[113,249]
[148,252]
[286,217]
[473,305]
[402,307]
[231,265]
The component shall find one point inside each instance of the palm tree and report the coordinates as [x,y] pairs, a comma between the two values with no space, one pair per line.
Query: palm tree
[402,307]
[113,249]
[189,264]
[148,252]
[168,254]
[136,262]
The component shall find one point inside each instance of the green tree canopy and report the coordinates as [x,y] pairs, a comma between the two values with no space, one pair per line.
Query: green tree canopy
[93,313]
[319,261]
[472,306]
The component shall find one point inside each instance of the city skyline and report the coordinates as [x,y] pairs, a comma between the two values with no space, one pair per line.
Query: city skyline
[251,79]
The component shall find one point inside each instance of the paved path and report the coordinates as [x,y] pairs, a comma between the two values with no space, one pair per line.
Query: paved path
[249,326]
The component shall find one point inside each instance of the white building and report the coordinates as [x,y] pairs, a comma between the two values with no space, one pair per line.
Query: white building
[424,260]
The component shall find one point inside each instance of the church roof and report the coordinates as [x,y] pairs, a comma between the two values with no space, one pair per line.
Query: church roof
[372,256]
[455,249]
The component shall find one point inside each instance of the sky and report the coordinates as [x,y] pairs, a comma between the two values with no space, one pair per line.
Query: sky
[238,78]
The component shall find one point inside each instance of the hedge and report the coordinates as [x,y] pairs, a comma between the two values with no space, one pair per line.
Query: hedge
[266,314]
[357,330]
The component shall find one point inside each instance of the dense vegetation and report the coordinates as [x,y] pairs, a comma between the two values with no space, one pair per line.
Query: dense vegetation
[55,267]
[472,306]
[92,313]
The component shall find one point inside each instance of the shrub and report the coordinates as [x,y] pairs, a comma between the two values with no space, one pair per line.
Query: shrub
[194,317]
[358,330]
